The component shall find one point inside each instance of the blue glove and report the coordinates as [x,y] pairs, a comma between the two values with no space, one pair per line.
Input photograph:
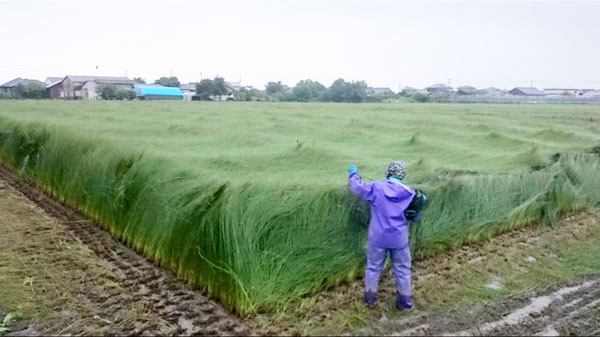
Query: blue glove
[352,169]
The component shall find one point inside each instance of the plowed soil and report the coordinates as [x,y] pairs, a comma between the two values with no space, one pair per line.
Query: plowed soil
[106,288]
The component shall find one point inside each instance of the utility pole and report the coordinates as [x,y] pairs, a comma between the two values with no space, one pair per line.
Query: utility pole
[171,72]
[531,84]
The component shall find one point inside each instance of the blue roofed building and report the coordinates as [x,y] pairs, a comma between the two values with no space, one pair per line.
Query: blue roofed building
[154,92]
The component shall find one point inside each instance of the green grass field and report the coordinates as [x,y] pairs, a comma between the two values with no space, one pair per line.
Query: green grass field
[249,200]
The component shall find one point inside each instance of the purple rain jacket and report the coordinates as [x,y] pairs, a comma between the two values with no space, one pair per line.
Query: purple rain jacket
[389,200]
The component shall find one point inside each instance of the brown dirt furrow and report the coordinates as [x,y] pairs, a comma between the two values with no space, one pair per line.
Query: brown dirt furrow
[136,280]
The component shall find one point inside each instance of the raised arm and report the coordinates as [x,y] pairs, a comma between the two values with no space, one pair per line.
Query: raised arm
[363,190]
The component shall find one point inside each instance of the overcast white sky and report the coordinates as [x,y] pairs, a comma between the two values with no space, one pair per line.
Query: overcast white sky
[553,44]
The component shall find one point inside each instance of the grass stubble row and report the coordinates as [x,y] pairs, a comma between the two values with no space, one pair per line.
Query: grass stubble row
[258,247]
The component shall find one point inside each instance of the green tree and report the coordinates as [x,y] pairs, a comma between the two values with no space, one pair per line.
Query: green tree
[220,88]
[124,94]
[139,80]
[273,88]
[168,81]
[275,91]
[342,91]
[112,92]
[421,98]
[242,95]
[205,89]
[308,91]
[32,90]
[108,92]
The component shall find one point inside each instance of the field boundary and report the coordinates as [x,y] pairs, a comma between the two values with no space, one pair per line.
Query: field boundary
[188,310]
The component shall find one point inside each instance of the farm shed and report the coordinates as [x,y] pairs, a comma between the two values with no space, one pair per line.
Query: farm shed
[9,89]
[158,92]
[85,87]
[526,91]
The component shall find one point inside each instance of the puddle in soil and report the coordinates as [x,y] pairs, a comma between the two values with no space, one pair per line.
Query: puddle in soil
[496,283]
[186,324]
[412,331]
[537,305]
[549,331]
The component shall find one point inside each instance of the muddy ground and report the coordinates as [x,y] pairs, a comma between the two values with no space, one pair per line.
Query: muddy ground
[571,309]
[75,278]
[92,283]
[496,287]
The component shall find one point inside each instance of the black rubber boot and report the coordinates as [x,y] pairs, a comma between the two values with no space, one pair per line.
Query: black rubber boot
[403,302]
[370,299]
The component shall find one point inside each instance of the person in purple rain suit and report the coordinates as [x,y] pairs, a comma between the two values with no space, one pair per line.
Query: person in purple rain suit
[388,231]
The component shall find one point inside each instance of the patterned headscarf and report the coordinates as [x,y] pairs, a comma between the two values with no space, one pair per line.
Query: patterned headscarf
[396,169]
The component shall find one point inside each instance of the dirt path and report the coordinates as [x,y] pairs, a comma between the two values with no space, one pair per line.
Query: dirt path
[108,286]
[515,276]
[568,309]
[564,308]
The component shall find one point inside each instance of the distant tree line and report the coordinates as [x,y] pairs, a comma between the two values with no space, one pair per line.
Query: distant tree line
[313,91]
[304,91]
[207,89]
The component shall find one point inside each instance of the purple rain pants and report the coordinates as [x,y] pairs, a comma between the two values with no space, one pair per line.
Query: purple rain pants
[401,264]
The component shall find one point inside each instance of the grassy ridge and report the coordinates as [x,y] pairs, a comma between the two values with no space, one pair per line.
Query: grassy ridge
[260,244]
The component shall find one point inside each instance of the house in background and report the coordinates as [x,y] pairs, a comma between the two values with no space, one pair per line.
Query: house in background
[591,94]
[154,92]
[52,80]
[439,89]
[413,91]
[466,90]
[235,86]
[189,91]
[9,89]
[378,91]
[491,91]
[565,91]
[86,87]
[526,91]
[409,90]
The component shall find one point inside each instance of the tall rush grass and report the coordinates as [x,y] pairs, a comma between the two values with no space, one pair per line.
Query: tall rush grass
[257,246]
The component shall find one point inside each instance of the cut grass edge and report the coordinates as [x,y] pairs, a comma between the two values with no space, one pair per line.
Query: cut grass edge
[251,268]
